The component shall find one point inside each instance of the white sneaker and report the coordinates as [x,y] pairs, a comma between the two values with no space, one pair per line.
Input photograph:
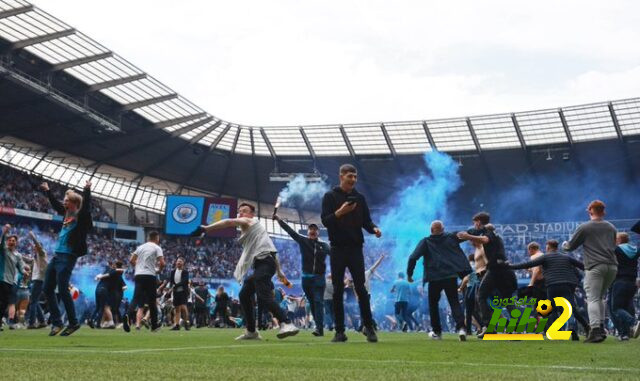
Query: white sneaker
[435,336]
[249,336]
[462,334]
[286,330]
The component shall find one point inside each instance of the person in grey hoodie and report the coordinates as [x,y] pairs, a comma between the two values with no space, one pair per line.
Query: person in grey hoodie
[598,239]
[624,289]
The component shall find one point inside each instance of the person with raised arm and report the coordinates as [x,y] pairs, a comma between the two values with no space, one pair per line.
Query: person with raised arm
[71,244]
[11,264]
[34,311]
[257,265]
[314,253]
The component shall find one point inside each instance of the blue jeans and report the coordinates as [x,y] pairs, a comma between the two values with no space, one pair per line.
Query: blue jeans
[328,309]
[313,287]
[34,311]
[621,305]
[470,306]
[58,274]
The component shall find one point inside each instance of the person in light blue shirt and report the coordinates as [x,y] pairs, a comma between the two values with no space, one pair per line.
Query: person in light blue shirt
[401,288]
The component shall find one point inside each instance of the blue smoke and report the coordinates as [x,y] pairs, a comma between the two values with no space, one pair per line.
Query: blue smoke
[83,278]
[301,193]
[564,195]
[406,218]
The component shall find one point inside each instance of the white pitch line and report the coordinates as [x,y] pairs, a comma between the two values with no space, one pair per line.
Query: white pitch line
[324,359]
[143,350]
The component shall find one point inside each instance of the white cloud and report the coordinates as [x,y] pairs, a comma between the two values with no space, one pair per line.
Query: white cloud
[294,62]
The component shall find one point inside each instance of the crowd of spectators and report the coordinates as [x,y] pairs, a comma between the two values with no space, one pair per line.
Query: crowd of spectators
[20,191]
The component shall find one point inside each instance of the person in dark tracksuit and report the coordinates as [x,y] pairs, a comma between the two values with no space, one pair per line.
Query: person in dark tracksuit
[560,278]
[345,213]
[71,244]
[222,303]
[624,289]
[117,286]
[314,254]
[443,261]
[106,292]
[101,295]
[202,305]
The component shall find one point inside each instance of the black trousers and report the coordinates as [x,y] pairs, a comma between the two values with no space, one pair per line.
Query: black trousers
[102,298]
[567,291]
[145,293]
[115,300]
[353,259]
[498,282]
[221,311]
[259,284]
[202,315]
[450,287]
[5,294]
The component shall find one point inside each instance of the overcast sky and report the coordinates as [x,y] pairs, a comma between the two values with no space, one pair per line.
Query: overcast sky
[311,62]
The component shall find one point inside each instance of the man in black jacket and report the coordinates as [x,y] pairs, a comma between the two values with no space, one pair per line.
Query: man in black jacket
[71,244]
[443,261]
[345,213]
[498,277]
[314,254]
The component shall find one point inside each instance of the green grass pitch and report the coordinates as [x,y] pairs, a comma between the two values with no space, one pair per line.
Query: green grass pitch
[213,354]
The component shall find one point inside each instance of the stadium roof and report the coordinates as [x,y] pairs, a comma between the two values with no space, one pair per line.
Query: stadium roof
[66,49]
[96,105]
